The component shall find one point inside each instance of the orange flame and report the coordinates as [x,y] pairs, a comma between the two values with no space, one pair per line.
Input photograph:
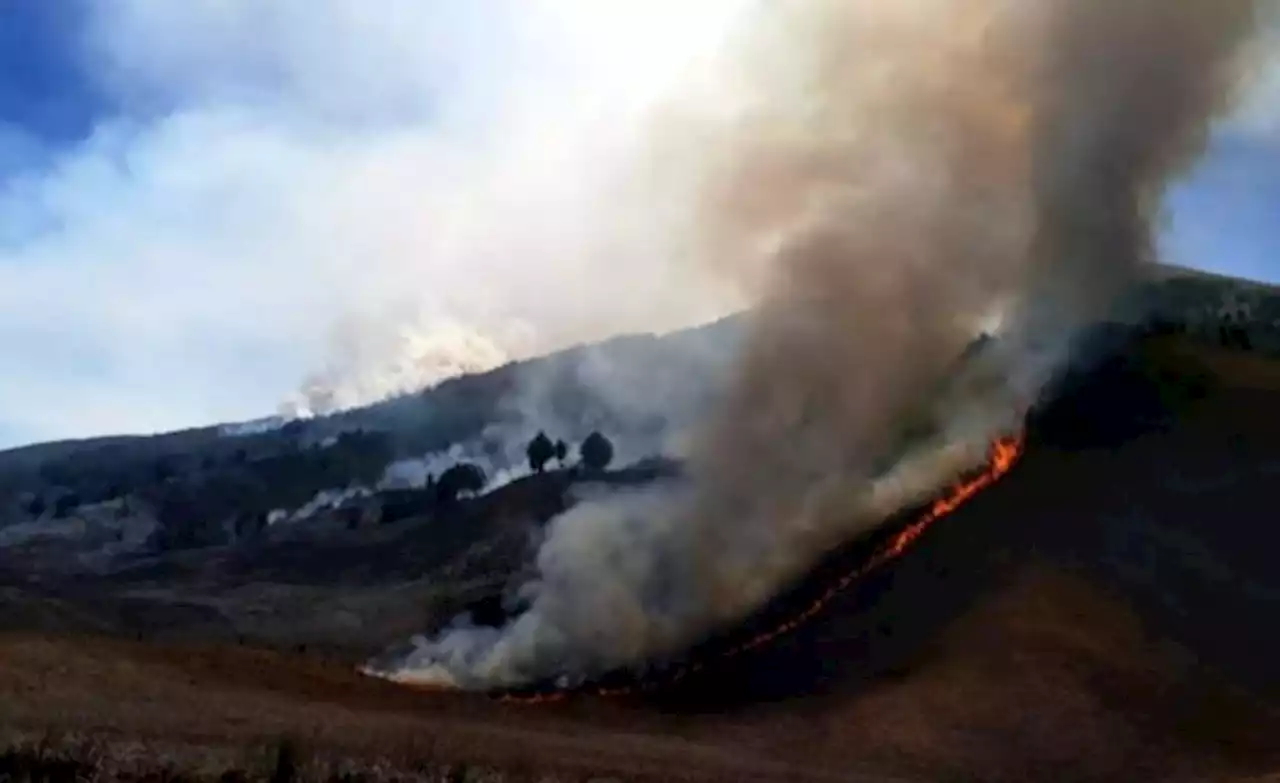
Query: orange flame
[1003,456]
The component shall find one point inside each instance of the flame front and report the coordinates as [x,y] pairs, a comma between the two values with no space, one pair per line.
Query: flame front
[1004,454]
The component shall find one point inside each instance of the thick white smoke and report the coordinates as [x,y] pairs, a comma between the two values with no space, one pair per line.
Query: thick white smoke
[890,174]
[375,358]
[646,392]
[521,224]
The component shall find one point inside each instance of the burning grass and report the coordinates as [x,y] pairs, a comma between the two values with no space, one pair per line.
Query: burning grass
[1003,455]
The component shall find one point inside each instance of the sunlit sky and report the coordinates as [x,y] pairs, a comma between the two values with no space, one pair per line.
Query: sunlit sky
[193,193]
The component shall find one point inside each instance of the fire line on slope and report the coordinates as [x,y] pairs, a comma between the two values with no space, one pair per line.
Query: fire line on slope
[1003,455]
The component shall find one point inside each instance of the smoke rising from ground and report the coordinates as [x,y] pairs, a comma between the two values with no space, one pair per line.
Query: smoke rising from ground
[890,174]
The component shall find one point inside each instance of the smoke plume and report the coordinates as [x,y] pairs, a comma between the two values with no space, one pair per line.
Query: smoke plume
[885,177]
[373,359]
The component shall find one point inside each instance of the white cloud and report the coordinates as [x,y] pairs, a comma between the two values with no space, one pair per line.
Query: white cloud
[1259,113]
[283,170]
[289,178]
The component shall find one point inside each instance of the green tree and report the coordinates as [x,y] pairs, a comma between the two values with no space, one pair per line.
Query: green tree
[37,506]
[597,452]
[463,477]
[65,504]
[540,451]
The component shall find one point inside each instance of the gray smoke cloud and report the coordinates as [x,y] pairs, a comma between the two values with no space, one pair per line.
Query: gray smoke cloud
[890,176]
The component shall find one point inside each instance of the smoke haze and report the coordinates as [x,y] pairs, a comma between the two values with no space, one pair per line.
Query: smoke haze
[883,177]
[430,179]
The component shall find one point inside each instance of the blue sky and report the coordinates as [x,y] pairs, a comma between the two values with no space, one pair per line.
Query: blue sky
[45,99]
[1224,214]
[204,202]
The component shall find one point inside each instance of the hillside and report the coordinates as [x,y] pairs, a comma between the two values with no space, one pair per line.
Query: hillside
[203,487]
[643,391]
[1103,613]
[176,533]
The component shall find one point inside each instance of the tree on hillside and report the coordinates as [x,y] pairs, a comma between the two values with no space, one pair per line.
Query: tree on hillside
[164,468]
[65,504]
[463,477]
[540,451]
[562,452]
[36,506]
[597,452]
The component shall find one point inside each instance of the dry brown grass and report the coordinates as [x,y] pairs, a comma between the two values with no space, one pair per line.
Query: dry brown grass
[1047,675]
[217,701]
[69,759]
